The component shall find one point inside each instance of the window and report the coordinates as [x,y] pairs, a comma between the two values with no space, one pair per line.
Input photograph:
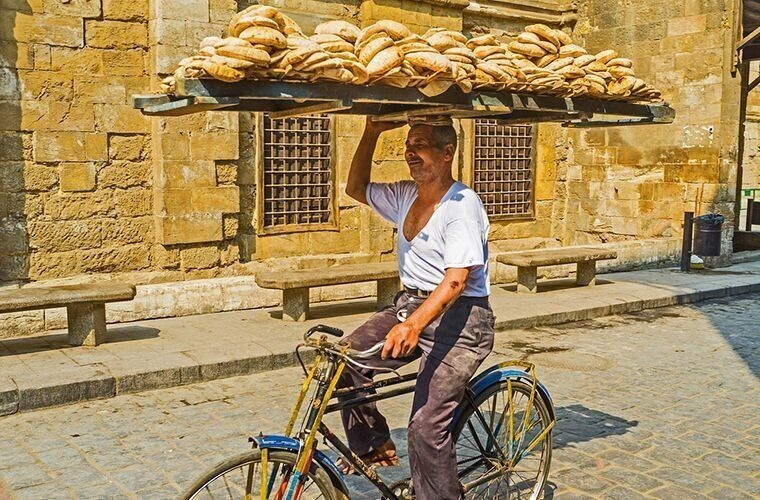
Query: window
[503,168]
[297,178]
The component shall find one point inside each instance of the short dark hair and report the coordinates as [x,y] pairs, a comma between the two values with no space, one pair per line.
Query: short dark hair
[443,135]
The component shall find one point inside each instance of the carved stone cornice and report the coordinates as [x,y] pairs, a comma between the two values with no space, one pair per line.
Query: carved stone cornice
[460,4]
[549,12]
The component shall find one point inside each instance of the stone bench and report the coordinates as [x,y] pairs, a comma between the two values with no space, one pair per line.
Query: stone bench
[528,262]
[85,306]
[295,284]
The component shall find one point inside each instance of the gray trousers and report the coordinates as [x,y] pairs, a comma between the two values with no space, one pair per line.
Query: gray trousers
[451,348]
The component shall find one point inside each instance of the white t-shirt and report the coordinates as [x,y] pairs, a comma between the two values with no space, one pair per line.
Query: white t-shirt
[455,236]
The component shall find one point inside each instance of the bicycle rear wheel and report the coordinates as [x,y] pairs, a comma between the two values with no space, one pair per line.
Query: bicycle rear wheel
[241,475]
[502,446]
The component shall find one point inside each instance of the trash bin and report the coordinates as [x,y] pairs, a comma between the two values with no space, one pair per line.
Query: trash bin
[707,232]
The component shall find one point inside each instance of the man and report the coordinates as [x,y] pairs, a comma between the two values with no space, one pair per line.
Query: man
[443,314]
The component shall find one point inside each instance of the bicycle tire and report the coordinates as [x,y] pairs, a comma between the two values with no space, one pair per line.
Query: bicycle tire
[285,460]
[468,411]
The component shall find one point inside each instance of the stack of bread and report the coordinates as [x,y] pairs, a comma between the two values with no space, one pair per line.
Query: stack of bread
[376,49]
[263,43]
[453,45]
[337,38]
[496,66]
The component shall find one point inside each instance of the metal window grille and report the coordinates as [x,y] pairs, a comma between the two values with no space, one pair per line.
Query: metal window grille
[503,168]
[298,180]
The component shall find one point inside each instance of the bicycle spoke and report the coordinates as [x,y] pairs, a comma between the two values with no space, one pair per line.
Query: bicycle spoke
[475,438]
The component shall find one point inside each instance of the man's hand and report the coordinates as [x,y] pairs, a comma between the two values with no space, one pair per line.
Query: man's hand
[401,341]
[376,127]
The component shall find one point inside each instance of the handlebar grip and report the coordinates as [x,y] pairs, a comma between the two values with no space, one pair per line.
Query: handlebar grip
[337,332]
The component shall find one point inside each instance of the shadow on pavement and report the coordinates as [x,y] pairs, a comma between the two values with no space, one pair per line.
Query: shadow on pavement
[332,310]
[577,423]
[39,343]
[555,284]
[731,317]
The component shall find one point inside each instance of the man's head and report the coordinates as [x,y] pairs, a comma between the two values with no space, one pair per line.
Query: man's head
[430,151]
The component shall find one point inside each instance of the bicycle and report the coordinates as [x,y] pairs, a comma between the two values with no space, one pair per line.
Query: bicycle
[505,420]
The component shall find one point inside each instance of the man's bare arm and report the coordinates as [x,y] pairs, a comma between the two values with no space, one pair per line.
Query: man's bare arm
[361,165]
[403,338]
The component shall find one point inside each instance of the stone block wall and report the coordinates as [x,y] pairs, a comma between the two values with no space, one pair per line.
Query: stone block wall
[626,183]
[751,161]
[75,174]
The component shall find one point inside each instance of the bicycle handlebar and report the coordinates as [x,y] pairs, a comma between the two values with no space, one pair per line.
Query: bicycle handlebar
[370,353]
[337,332]
[353,354]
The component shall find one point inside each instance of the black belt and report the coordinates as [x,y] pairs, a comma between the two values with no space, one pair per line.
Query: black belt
[416,293]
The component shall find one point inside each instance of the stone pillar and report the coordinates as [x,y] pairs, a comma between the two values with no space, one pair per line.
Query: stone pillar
[87,324]
[386,291]
[527,279]
[295,304]
[586,273]
[190,152]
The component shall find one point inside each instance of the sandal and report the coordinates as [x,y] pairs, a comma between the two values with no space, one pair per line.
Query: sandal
[382,456]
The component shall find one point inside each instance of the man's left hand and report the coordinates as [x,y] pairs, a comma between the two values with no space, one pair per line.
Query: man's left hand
[400,342]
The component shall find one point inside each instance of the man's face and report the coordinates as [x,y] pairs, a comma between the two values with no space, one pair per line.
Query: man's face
[427,160]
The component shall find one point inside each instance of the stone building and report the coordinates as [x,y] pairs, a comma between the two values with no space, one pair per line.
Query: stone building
[751,161]
[91,189]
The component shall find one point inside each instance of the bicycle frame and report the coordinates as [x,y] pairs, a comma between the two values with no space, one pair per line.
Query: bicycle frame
[304,442]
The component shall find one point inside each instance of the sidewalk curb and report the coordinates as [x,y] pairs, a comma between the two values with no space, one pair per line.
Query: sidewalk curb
[41,392]
[631,306]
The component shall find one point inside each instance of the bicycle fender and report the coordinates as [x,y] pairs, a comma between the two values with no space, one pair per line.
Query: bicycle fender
[495,374]
[277,442]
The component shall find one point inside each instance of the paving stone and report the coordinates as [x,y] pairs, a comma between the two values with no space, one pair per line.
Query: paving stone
[138,477]
[75,477]
[621,493]
[571,495]
[13,454]
[61,458]
[23,476]
[623,459]
[726,493]
[43,443]
[581,481]
[671,475]
[671,492]
[91,442]
[112,459]
[48,490]
[161,493]
[108,490]
[734,464]
[634,480]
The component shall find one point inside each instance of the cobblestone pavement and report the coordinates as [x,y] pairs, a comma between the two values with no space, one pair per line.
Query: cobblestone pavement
[658,404]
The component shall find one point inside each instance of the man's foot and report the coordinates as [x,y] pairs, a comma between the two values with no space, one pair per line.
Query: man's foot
[382,456]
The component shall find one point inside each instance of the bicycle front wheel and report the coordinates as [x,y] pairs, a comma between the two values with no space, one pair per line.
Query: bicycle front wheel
[503,445]
[241,477]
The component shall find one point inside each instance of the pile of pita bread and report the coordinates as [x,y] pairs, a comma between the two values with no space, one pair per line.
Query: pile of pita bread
[265,44]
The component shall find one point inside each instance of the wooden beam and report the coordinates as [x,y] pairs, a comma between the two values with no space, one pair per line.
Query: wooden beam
[753,84]
[749,38]
[314,109]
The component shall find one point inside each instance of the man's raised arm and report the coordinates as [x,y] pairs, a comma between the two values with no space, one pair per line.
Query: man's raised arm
[361,165]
